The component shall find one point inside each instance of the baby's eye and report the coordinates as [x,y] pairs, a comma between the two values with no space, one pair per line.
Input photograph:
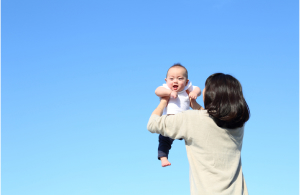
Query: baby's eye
[180,78]
[171,79]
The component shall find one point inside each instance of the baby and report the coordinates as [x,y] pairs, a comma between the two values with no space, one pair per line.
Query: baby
[177,87]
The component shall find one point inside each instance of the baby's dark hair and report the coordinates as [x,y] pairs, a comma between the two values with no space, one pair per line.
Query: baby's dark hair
[179,65]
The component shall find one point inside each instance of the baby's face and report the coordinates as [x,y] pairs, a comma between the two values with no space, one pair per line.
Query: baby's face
[176,79]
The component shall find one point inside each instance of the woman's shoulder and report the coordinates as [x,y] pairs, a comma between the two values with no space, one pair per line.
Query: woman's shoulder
[201,112]
[196,113]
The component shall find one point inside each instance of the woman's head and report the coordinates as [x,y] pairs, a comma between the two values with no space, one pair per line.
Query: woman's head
[224,101]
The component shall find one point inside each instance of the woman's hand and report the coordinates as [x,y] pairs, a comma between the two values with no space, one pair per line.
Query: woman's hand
[166,98]
[161,106]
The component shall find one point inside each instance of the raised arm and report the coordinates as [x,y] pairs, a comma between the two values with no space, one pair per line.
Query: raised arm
[161,106]
[194,105]
[167,125]
[162,92]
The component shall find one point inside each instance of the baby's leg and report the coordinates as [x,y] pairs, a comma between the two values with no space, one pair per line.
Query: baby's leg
[163,150]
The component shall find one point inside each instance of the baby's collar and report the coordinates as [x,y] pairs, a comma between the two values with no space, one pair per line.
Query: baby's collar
[188,85]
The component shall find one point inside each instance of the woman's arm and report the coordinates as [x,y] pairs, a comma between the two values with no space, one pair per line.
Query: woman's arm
[161,106]
[195,105]
[172,126]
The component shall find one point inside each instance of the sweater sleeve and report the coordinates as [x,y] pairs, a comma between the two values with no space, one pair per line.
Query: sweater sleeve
[172,126]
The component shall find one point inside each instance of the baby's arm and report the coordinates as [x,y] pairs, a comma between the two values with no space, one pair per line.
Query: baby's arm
[195,93]
[164,92]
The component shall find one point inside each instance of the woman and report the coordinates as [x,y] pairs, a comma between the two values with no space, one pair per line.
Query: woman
[213,137]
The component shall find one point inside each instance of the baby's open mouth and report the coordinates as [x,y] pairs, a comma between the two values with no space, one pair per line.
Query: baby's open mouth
[175,87]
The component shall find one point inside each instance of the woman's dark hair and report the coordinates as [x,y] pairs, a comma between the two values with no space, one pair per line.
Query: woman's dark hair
[224,101]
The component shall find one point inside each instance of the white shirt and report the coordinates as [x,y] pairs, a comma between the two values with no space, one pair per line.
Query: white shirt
[181,103]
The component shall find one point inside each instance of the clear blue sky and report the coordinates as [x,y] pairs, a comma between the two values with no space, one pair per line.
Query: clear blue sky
[78,81]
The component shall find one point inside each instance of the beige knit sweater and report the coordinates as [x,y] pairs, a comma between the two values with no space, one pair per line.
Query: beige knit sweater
[214,153]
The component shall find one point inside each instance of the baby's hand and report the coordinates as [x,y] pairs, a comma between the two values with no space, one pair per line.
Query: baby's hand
[173,94]
[193,95]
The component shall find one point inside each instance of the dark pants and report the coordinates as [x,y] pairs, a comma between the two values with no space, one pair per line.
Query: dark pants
[164,146]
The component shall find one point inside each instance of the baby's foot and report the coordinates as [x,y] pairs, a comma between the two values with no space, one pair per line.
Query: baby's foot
[164,161]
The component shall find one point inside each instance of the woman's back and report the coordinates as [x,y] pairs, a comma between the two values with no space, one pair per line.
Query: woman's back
[214,153]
